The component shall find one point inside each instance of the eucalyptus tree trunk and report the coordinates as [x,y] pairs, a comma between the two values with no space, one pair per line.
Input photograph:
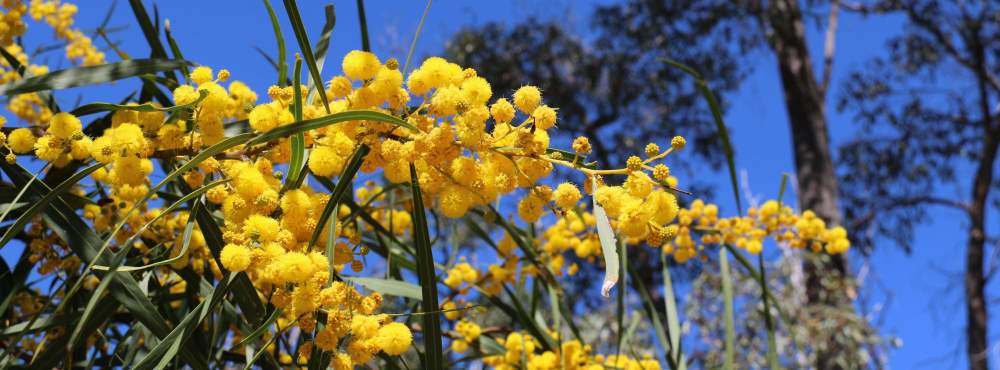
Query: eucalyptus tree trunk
[817,182]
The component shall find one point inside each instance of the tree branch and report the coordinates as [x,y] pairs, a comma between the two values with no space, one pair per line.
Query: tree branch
[911,202]
[831,40]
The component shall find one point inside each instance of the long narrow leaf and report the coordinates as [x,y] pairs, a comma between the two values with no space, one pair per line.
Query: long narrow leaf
[298,139]
[729,355]
[282,64]
[40,204]
[720,126]
[608,246]
[322,47]
[428,281]
[390,287]
[673,323]
[300,35]
[90,75]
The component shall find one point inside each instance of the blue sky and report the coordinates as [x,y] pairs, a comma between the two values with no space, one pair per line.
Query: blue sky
[919,294]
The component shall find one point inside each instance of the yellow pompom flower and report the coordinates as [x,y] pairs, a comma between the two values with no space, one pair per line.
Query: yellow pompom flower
[324,161]
[360,65]
[235,257]
[545,117]
[261,228]
[64,125]
[266,117]
[527,98]
[21,140]
[294,267]
[566,195]
[185,94]
[364,326]
[340,86]
[394,338]
[476,90]
[678,142]
[201,75]
[530,208]
[459,346]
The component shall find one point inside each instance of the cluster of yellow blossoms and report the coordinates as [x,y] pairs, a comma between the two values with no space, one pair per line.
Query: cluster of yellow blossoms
[468,149]
[749,232]
[31,108]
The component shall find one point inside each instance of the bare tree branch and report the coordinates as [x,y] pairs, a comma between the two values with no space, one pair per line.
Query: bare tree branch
[831,41]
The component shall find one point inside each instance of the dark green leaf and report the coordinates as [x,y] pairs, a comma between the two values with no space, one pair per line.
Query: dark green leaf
[428,280]
[90,75]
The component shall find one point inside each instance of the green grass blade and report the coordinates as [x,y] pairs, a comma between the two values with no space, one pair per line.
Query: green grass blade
[729,355]
[300,35]
[282,64]
[720,126]
[90,75]
[390,287]
[428,281]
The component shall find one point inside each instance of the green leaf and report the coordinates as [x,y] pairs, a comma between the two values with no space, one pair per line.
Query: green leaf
[322,46]
[339,191]
[148,30]
[90,75]
[363,25]
[17,197]
[673,324]
[62,220]
[163,213]
[650,308]
[16,65]
[428,280]
[729,356]
[416,35]
[315,123]
[608,246]
[300,35]
[772,346]
[41,204]
[299,138]
[176,50]
[262,328]
[387,286]
[720,125]
[167,349]
[92,108]
[282,64]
